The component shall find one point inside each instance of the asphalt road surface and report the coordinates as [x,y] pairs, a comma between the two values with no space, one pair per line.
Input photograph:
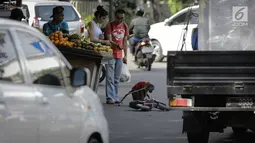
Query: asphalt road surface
[128,126]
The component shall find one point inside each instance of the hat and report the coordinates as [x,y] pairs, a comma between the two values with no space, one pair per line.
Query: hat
[57,10]
[17,13]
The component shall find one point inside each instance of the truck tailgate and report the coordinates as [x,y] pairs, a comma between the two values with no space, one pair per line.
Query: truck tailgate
[211,72]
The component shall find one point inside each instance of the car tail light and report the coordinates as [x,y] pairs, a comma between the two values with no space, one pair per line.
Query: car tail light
[180,102]
[36,22]
[82,25]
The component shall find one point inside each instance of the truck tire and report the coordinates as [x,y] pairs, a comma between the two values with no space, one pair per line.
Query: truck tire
[200,137]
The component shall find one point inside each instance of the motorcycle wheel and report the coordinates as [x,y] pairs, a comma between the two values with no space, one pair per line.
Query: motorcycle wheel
[103,74]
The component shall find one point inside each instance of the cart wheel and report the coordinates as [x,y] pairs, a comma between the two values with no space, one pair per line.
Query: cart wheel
[200,137]
[163,107]
[143,108]
[103,74]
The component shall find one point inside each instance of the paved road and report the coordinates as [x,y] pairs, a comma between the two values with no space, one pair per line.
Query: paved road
[127,126]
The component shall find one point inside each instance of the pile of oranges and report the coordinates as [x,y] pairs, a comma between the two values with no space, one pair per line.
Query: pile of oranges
[57,39]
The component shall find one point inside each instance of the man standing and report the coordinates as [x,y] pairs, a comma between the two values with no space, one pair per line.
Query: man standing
[117,33]
[57,24]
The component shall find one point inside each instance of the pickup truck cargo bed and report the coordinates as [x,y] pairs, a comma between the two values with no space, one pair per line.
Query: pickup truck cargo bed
[211,73]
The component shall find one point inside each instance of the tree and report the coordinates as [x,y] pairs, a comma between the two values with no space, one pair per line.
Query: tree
[177,5]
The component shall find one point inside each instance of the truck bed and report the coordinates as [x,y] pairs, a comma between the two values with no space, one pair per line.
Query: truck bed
[211,73]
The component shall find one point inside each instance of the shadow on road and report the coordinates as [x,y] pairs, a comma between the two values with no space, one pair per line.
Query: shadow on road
[249,137]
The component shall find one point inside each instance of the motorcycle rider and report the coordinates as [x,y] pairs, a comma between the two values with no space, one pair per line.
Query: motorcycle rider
[139,27]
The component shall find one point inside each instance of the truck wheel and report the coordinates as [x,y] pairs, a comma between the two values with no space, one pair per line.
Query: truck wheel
[201,137]
[239,131]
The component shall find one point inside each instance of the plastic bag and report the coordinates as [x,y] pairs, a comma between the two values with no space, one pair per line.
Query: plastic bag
[125,75]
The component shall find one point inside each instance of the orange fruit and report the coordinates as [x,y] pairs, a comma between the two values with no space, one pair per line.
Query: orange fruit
[52,37]
[69,44]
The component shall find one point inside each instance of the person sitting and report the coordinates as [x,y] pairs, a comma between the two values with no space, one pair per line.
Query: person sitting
[57,24]
[140,27]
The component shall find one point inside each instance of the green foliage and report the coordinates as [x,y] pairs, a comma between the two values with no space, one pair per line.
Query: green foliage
[177,5]
[88,19]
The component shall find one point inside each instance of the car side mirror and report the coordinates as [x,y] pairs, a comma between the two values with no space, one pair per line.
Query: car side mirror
[80,77]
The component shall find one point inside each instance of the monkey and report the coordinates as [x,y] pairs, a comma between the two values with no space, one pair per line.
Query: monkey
[140,91]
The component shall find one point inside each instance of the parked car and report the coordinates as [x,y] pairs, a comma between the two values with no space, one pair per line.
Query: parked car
[42,98]
[40,12]
[167,35]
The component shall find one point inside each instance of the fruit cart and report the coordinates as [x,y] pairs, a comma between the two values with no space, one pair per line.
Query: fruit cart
[82,53]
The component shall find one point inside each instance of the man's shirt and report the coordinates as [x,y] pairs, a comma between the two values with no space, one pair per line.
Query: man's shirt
[49,27]
[141,27]
[118,33]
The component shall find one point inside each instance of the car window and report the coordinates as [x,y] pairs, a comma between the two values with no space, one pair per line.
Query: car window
[181,19]
[45,12]
[194,17]
[25,10]
[10,69]
[43,64]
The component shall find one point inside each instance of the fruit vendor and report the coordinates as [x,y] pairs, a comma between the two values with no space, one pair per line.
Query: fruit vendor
[57,24]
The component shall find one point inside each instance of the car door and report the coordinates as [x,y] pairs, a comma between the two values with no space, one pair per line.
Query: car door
[19,111]
[175,31]
[60,118]
[193,23]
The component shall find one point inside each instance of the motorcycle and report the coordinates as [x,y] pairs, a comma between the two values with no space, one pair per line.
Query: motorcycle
[144,53]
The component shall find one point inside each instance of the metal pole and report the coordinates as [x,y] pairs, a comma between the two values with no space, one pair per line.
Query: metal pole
[110,10]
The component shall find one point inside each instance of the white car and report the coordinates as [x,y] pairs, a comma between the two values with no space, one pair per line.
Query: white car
[42,98]
[167,35]
[40,12]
